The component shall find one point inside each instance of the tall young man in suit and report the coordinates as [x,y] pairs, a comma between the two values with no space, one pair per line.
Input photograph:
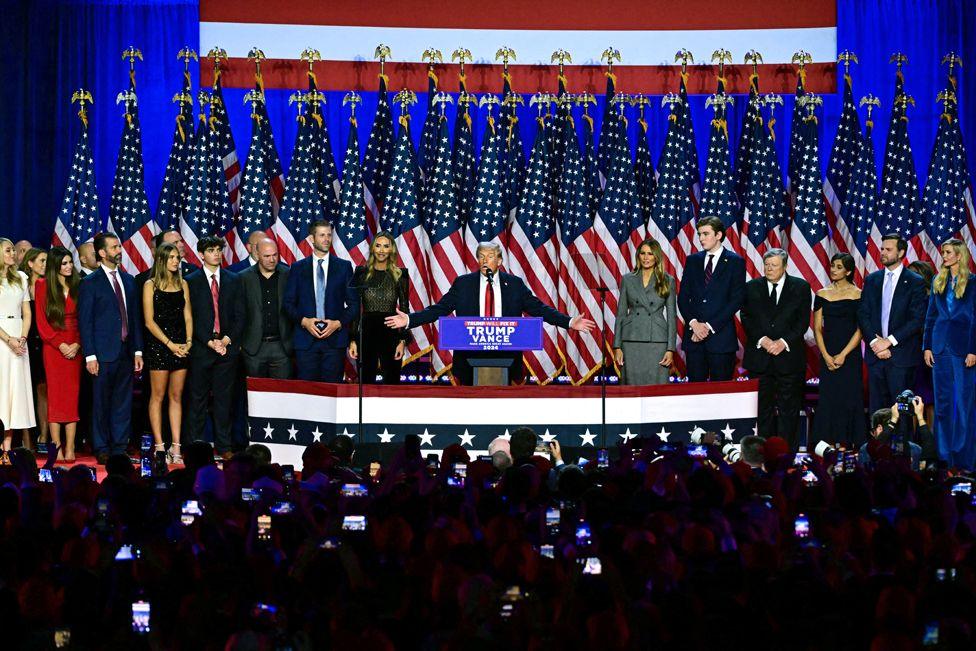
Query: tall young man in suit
[710,295]
[218,320]
[110,322]
[488,292]
[321,302]
[775,315]
[267,338]
[892,317]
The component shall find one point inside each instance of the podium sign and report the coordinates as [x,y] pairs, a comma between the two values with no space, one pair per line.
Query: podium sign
[475,333]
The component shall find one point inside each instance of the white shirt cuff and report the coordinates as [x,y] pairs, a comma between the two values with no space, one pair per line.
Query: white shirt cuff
[785,345]
[91,358]
[138,353]
[891,338]
[710,328]
[760,342]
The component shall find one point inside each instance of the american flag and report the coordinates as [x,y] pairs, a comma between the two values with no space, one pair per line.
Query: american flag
[796,138]
[764,202]
[513,169]
[172,196]
[579,268]
[378,160]
[303,201]
[718,197]
[350,235]
[899,207]
[533,252]
[673,209]
[747,145]
[403,220]
[257,213]
[644,173]
[809,241]
[447,247]
[129,216]
[269,153]
[861,206]
[465,169]
[948,198]
[223,143]
[607,132]
[78,220]
[686,137]
[322,158]
[208,211]
[618,221]
[488,214]
[837,184]
[591,168]
[427,154]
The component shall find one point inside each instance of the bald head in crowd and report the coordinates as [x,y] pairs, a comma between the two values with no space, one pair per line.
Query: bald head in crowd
[86,254]
[20,250]
[266,253]
[253,240]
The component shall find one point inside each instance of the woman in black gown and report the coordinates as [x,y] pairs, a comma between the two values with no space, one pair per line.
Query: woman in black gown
[384,287]
[840,411]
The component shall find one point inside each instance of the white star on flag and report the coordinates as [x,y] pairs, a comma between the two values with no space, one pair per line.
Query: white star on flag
[292,433]
[466,439]
[317,435]
[663,435]
[268,430]
[548,438]
[506,436]
[728,431]
[427,438]
[587,437]
[626,436]
[385,437]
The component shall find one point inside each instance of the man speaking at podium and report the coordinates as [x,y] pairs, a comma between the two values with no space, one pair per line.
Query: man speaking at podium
[488,293]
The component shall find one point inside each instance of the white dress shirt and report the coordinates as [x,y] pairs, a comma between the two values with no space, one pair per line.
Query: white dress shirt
[895,276]
[125,301]
[779,294]
[315,270]
[496,287]
[716,256]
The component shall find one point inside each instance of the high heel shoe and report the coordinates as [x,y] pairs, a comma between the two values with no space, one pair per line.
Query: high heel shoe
[173,456]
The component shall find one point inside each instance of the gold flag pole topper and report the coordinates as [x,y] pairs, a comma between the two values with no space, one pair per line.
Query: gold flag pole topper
[132,53]
[719,101]
[685,57]
[846,58]
[946,98]
[810,102]
[541,100]
[640,100]
[218,54]
[562,57]
[204,100]
[461,55]
[754,59]
[770,100]
[491,101]
[671,100]
[300,99]
[405,98]
[82,97]
[432,56]
[953,60]
[382,53]
[310,55]
[257,56]
[128,97]
[352,98]
[505,54]
[721,57]
[619,101]
[254,96]
[187,54]
[443,99]
[608,56]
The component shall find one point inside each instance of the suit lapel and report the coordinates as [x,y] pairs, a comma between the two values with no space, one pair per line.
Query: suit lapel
[642,291]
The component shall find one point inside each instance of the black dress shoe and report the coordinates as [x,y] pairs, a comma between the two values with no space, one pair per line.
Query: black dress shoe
[102,458]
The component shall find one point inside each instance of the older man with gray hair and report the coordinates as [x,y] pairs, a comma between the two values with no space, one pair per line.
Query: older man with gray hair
[775,316]
[487,293]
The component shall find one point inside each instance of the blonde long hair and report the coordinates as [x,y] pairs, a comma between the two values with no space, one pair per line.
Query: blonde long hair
[8,273]
[160,275]
[660,278]
[392,262]
[942,280]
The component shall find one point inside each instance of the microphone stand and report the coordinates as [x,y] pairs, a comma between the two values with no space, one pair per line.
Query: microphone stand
[603,289]
[359,361]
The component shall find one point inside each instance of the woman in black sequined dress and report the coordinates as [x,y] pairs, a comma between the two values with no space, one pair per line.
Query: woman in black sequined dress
[384,287]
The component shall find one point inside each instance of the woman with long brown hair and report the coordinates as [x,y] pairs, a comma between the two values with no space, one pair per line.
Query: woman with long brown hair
[56,296]
[384,287]
[646,330]
[949,345]
[34,265]
[16,397]
[166,308]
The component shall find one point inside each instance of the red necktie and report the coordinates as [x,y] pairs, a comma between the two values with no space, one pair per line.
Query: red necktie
[489,300]
[709,268]
[121,302]
[215,295]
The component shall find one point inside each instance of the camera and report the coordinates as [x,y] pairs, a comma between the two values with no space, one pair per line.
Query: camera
[732,452]
[696,436]
[602,459]
[904,400]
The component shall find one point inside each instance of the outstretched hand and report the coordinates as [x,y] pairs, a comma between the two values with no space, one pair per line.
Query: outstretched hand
[398,320]
[581,324]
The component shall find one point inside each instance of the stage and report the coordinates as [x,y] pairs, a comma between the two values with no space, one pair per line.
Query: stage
[288,415]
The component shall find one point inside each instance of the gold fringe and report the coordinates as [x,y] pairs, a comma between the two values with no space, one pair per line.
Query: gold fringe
[404,120]
[385,79]
[259,81]
[754,83]
[722,124]
[312,77]
[132,78]
[612,77]
[589,121]
[772,134]
[947,117]
[507,76]
[179,126]
[564,81]
[432,75]
[318,118]
[491,124]
[353,122]
[643,124]
[84,116]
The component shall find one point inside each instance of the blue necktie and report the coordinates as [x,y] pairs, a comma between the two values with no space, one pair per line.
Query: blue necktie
[951,293]
[320,290]
[887,292]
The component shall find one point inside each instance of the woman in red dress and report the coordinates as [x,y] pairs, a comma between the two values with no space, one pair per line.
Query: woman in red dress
[57,322]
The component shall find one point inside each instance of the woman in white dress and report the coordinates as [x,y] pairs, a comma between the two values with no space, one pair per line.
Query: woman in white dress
[16,397]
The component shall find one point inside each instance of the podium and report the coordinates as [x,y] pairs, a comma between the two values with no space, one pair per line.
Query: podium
[504,335]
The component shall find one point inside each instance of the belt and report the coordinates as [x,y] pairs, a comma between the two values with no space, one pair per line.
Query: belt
[268,339]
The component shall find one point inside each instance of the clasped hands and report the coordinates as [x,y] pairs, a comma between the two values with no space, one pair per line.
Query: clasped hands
[699,330]
[772,347]
[881,347]
[219,346]
[331,325]
[70,351]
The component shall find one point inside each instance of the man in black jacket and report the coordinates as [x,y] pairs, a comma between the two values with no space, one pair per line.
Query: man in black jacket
[218,321]
[775,315]
[267,337]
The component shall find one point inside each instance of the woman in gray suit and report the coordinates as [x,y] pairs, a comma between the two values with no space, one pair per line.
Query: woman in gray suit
[647,323]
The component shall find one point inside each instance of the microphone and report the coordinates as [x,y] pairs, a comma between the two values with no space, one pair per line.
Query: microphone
[489,274]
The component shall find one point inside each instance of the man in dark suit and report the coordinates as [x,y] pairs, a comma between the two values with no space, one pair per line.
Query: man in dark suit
[775,315]
[267,338]
[321,302]
[488,293]
[110,322]
[218,321]
[87,258]
[892,317]
[252,253]
[710,295]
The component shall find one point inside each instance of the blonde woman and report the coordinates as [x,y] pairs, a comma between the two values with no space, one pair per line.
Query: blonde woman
[34,264]
[949,343]
[384,288]
[646,329]
[16,397]
[166,308]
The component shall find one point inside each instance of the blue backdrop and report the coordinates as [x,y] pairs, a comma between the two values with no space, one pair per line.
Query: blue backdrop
[51,47]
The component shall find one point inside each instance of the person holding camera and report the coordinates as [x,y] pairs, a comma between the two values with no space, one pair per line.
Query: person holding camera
[890,433]
[949,342]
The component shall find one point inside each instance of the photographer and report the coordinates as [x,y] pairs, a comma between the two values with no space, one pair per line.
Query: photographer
[890,436]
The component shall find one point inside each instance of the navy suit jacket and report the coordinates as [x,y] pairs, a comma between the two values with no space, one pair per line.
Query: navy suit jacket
[241,265]
[905,322]
[715,304]
[787,320]
[230,303]
[464,299]
[341,300]
[951,333]
[98,316]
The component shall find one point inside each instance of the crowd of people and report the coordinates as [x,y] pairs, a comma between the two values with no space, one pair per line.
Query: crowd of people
[653,546]
[200,331]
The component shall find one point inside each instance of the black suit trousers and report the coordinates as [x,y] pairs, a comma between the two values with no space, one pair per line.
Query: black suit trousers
[780,399]
[216,376]
[704,366]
